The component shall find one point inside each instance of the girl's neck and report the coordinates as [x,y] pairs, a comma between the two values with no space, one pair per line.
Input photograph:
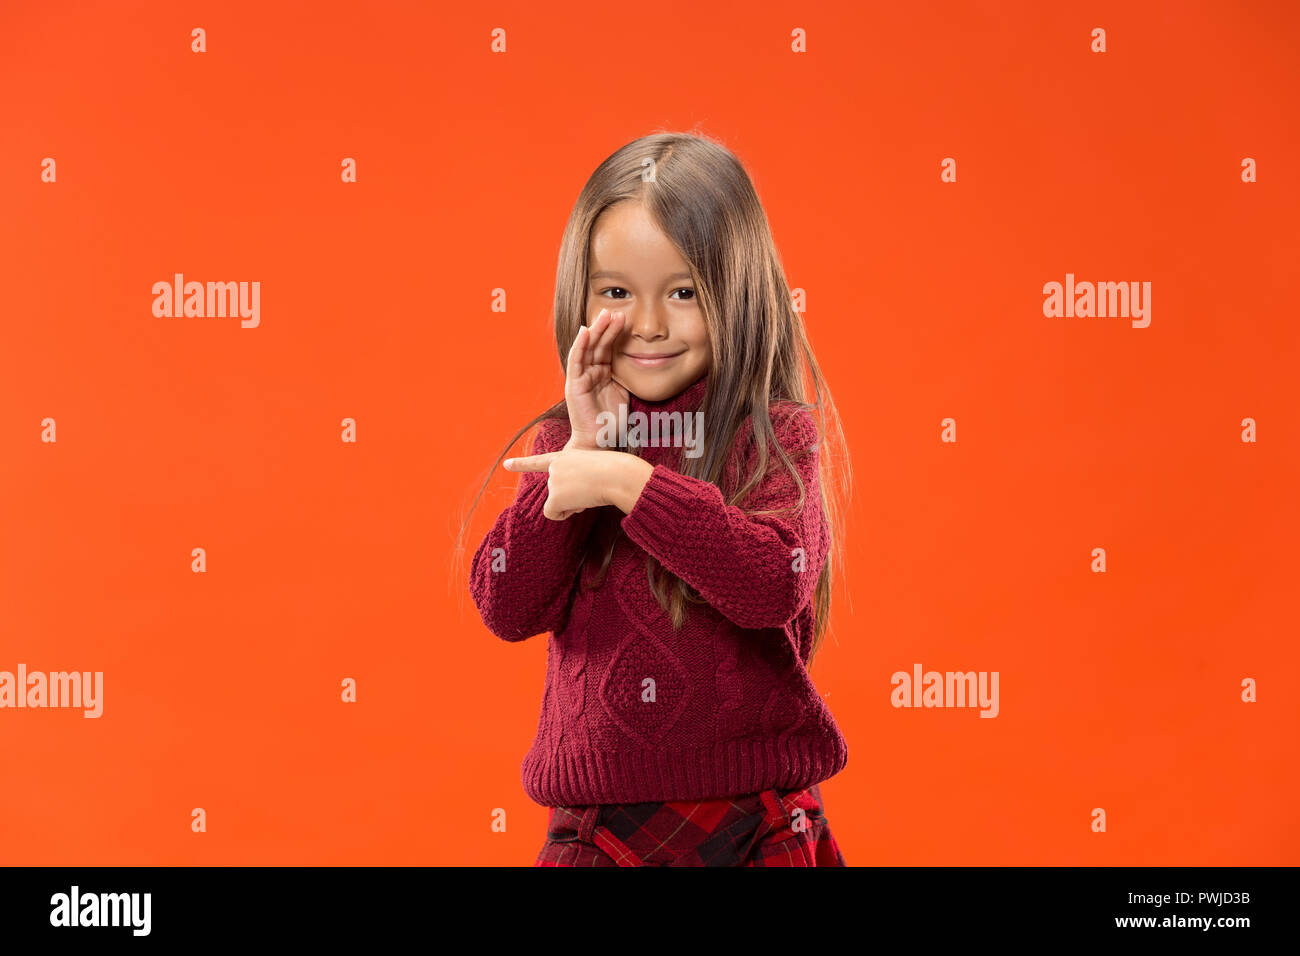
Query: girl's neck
[687,400]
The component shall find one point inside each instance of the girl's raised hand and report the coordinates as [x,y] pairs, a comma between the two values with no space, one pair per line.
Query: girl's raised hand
[589,386]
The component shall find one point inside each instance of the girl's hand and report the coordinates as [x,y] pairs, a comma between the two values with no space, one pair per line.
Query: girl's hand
[582,478]
[589,386]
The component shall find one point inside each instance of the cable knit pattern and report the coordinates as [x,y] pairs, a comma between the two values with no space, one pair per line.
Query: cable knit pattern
[633,710]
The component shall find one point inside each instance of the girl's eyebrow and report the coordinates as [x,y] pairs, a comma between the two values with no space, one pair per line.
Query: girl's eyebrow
[608,274]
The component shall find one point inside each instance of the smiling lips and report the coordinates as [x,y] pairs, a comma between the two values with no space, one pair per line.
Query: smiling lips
[652,359]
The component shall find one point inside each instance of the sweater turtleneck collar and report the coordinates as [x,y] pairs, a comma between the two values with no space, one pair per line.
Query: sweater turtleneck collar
[687,400]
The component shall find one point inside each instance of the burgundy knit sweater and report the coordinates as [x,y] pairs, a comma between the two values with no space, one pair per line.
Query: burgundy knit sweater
[634,711]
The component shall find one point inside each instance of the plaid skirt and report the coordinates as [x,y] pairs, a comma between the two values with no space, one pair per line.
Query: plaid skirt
[771,828]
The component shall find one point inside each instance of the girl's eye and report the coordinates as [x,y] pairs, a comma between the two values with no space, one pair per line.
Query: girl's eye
[620,289]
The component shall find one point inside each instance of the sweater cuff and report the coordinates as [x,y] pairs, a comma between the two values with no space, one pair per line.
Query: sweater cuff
[669,505]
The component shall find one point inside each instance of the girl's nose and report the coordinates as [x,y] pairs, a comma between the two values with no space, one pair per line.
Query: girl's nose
[646,322]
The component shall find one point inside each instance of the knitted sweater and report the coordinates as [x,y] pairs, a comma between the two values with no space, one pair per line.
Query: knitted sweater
[634,711]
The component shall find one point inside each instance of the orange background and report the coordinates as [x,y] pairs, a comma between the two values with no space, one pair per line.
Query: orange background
[328,560]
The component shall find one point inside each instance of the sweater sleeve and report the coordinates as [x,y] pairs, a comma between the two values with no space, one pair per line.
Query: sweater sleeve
[756,570]
[525,569]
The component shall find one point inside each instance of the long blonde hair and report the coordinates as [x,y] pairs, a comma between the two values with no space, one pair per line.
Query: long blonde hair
[700,196]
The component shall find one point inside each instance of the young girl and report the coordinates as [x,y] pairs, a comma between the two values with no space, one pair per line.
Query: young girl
[680,557]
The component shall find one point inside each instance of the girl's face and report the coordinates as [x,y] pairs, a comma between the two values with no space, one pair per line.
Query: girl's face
[634,269]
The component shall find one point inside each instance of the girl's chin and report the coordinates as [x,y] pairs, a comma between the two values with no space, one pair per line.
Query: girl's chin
[650,388]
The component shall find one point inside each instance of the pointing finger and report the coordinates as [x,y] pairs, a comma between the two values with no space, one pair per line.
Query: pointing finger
[531,462]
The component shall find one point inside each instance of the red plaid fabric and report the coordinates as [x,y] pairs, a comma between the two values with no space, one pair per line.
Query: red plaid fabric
[771,828]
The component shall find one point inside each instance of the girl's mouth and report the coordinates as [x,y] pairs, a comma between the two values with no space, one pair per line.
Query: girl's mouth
[652,359]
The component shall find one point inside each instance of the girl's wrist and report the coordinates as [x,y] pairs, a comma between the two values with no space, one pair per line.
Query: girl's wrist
[630,476]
